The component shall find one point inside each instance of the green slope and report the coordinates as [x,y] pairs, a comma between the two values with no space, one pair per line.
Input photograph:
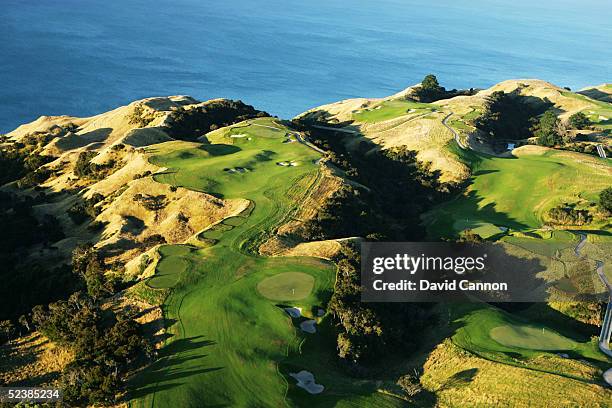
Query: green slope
[516,192]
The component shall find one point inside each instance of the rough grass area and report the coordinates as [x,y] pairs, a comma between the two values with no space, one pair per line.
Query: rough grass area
[516,192]
[286,286]
[460,378]
[390,110]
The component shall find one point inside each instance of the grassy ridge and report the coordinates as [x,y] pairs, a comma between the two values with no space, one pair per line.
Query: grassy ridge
[390,110]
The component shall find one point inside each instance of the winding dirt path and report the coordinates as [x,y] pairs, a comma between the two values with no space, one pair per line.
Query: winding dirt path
[455,134]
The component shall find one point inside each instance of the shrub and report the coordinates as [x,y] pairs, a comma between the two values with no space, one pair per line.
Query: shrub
[566,215]
[189,124]
[410,384]
[546,131]
[579,121]
[605,200]
[151,202]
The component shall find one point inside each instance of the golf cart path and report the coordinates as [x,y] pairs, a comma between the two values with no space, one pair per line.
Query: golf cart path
[455,134]
[604,344]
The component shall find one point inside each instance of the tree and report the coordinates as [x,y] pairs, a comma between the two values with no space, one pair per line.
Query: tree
[579,121]
[23,321]
[430,82]
[8,329]
[430,89]
[605,200]
[508,116]
[411,384]
[547,130]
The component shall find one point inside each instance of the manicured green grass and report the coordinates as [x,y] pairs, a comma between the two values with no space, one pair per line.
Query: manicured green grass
[500,336]
[532,338]
[391,109]
[483,229]
[516,192]
[286,286]
[227,340]
[174,261]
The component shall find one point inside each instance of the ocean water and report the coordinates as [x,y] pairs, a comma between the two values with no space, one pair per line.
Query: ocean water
[82,57]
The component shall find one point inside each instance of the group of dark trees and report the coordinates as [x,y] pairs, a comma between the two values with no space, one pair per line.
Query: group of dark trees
[189,124]
[106,345]
[605,200]
[430,90]
[85,209]
[579,121]
[509,116]
[85,168]
[568,215]
[41,290]
[390,189]
[514,117]
[368,330]
[22,161]
[547,131]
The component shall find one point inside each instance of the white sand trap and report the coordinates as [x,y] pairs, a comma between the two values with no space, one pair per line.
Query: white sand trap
[602,117]
[284,164]
[239,135]
[308,326]
[294,312]
[320,312]
[293,164]
[378,107]
[306,380]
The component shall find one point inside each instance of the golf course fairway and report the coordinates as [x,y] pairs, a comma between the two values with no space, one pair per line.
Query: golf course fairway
[226,340]
[516,192]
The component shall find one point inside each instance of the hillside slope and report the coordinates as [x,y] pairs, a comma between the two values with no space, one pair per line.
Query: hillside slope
[399,121]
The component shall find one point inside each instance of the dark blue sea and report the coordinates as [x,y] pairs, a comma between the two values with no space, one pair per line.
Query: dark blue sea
[82,57]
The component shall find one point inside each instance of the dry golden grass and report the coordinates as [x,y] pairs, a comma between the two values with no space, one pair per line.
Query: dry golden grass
[185,213]
[32,360]
[461,379]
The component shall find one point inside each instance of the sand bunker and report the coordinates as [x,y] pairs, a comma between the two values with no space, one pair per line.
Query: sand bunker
[308,326]
[288,163]
[306,380]
[239,135]
[294,312]
[236,170]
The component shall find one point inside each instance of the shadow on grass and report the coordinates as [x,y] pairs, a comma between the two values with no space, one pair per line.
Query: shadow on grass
[219,149]
[466,208]
[460,379]
[163,374]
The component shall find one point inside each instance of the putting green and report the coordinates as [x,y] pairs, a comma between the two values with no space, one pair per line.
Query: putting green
[286,286]
[170,267]
[532,338]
